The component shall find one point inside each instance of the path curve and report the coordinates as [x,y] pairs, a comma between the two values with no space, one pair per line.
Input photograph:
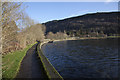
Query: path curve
[31,66]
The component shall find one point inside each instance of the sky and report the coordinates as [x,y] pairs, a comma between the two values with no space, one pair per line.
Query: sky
[47,11]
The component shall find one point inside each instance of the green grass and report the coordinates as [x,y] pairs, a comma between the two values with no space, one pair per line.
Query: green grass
[12,61]
[113,36]
[49,69]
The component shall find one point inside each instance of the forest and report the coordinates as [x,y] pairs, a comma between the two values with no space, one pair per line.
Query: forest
[89,25]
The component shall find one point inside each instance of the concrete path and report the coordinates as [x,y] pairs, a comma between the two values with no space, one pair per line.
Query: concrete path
[31,66]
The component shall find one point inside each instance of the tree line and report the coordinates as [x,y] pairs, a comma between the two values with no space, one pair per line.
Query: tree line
[95,24]
[18,29]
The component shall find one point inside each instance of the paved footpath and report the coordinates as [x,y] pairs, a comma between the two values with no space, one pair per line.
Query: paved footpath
[31,66]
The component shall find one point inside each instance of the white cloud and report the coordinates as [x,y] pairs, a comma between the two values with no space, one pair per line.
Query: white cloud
[109,0]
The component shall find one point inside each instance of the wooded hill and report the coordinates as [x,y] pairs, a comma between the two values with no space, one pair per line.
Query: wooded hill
[93,24]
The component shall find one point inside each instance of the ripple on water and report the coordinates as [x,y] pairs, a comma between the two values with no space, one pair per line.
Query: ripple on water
[84,58]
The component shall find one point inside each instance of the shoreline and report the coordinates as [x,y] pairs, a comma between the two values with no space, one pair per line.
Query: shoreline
[73,38]
[48,67]
[86,38]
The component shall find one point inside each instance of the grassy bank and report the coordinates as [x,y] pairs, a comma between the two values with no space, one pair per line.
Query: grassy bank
[49,68]
[12,61]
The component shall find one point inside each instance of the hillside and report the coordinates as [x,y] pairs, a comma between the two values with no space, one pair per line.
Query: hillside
[104,22]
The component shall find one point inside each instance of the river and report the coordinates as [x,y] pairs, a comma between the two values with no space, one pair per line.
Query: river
[97,58]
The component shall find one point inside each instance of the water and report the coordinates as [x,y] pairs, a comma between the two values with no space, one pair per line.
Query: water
[84,58]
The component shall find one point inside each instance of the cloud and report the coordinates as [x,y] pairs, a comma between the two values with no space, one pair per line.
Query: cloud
[109,0]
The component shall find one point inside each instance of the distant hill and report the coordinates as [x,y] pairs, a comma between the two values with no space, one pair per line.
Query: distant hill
[101,22]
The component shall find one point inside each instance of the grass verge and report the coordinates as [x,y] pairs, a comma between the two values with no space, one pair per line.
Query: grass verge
[49,68]
[113,36]
[12,61]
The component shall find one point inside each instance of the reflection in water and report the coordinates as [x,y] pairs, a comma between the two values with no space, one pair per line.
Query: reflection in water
[84,58]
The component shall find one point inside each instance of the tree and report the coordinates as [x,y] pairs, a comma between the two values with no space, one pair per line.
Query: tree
[44,29]
[50,35]
[0,28]
[11,14]
[33,33]
[58,35]
[10,35]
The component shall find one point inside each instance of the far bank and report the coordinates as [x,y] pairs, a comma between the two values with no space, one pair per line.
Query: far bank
[76,38]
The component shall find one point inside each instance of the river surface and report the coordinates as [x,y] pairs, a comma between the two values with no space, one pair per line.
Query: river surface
[84,58]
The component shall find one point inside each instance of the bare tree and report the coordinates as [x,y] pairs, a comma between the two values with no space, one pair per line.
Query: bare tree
[58,35]
[50,35]
[14,38]
[0,27]
[11,14]
[35,32]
